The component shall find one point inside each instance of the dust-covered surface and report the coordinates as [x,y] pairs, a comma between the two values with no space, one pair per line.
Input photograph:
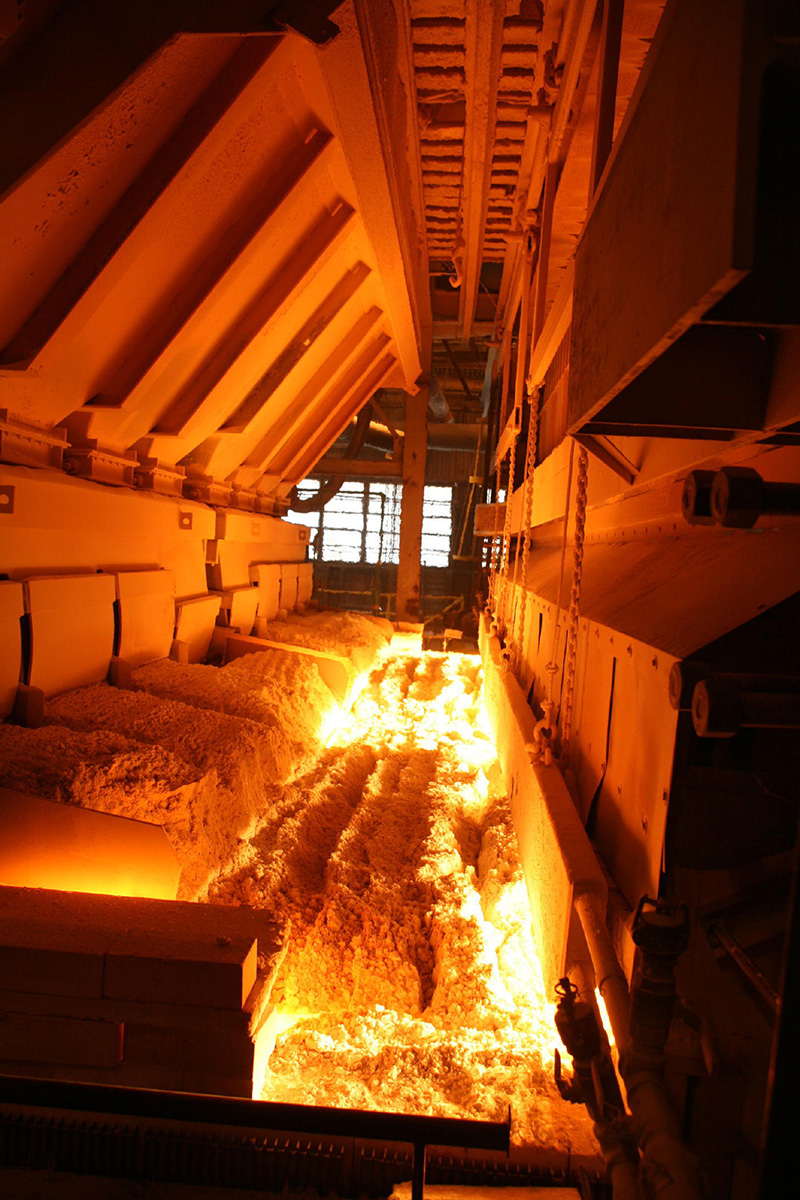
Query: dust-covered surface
[410,982]
[347,634]
[200,750]
[410,973]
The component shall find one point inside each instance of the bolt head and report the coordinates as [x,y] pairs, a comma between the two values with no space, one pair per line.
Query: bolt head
[737,497]
[716,710]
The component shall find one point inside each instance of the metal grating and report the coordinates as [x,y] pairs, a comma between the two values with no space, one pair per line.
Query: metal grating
[259,1163]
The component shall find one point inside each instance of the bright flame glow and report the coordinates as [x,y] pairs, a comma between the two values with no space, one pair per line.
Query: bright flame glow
[411,928]
[604,1017]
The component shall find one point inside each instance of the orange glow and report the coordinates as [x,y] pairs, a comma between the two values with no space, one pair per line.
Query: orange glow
[44,844]
[601,1004]
[424,870]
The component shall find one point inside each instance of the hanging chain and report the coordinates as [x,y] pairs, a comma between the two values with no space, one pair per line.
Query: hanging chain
[505,595]
[527,522]
[497,542]
[575,598]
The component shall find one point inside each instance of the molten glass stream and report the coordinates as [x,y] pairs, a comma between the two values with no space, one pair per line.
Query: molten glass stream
[410,982]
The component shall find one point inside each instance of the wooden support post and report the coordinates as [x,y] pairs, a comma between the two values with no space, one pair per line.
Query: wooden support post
[606,89]
[415,448]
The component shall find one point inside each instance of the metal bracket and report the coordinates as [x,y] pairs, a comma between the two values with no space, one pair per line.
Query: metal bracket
[298,16]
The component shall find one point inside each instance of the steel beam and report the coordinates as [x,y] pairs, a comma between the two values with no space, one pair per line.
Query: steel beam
[484,36]
[415,448]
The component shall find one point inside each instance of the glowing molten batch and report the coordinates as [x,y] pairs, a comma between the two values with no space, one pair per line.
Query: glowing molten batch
[410,981]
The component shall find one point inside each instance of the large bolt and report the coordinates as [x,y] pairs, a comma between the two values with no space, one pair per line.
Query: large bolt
[696,498]
[739,496]
[721,711]
[683,679]
[685,676]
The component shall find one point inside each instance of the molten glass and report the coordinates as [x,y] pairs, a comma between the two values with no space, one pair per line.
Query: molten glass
[410,981]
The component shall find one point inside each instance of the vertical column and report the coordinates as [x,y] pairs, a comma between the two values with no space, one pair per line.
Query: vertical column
[415,449]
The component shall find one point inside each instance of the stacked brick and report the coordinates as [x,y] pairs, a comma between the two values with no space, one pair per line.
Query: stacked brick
[139,993]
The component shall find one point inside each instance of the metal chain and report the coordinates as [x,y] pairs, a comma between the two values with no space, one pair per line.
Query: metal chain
[530,464]
[504,598]
[575,598]
[496,542]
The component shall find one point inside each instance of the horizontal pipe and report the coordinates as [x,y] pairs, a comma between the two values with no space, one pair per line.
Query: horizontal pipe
[253,1114]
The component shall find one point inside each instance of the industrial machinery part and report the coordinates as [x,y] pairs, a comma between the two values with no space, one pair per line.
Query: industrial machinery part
[739,496]
[685,676]
[666,1168]
[696,498]
[661,934]
[596,1085]
[251,1115]
[720,711]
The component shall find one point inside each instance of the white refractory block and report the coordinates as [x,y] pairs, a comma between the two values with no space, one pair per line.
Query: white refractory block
[45,844]
[195,623]
[60,1040]
[289,583]
[267,578]
[12,606]
[239,608]
[72,630]
[146,606]
[231,567]
[305,582]
[144,951]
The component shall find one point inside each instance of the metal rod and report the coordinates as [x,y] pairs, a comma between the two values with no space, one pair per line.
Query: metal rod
[253,1114]
[457,369]
[418,1173]
[720,931]
[611,982]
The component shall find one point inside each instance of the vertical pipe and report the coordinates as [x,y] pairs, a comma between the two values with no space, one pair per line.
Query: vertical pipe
[611,982]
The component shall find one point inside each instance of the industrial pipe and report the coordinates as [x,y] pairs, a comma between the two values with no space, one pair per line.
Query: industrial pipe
[660,933]
[736,497]
[685,676]
[596,1085]
[641,1041]
[611,982]
[739,496]
[696,498]
[719,711]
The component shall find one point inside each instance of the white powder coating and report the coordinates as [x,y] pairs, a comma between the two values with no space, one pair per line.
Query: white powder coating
[199,754]
[410,971]
[347,634]
[388,853]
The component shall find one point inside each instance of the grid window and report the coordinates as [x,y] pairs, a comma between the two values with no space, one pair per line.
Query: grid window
[437,526]
[309,487]
[361,524]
